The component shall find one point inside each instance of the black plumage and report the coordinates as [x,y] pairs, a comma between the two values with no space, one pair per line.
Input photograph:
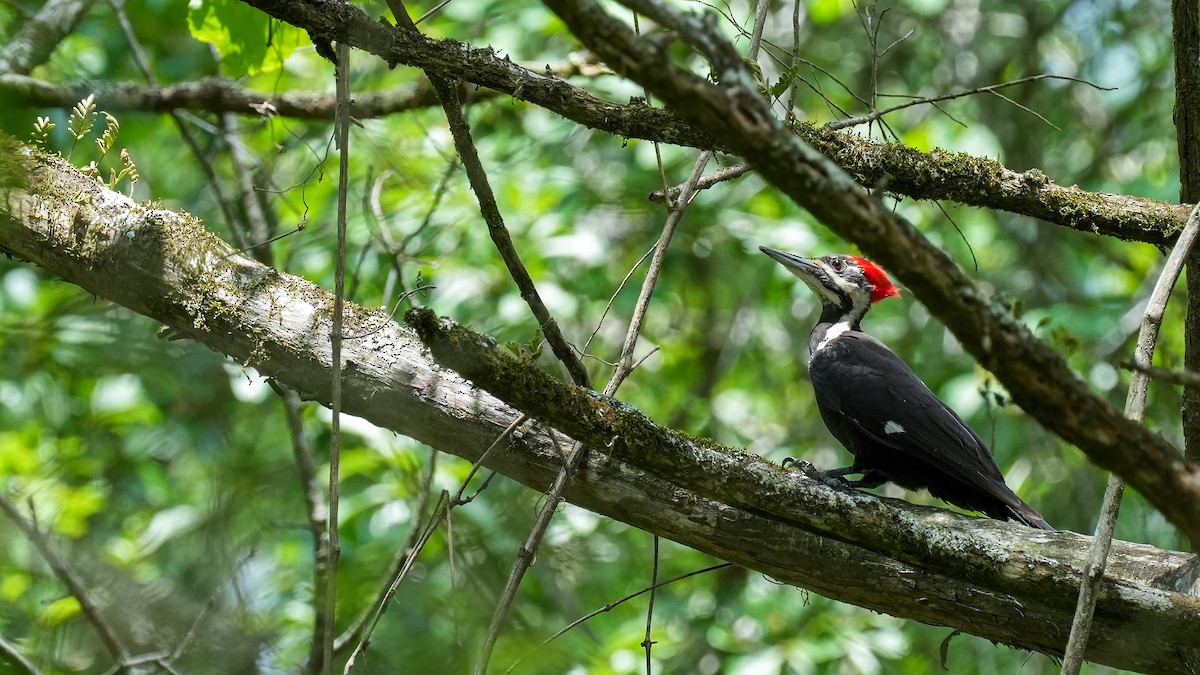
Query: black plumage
[873,403]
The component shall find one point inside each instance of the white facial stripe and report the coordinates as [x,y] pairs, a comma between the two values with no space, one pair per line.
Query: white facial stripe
[817,287]
[892,427]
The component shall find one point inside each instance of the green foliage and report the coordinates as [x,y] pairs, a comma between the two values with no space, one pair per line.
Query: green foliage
[249,42]
[83,118]
[41,131]
[164,472]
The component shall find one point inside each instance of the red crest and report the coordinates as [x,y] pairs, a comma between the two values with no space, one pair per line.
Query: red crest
[881,286]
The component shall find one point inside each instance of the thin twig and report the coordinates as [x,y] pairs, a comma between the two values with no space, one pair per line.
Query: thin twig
[647,642]
[236,227]
[527,551]
[67,576]
[1135,409]
[738,170]
[441,512]
[617,603]
[1187,378]
[424,493]
[989,89]
[793,90]
[727,173]
[613,298]
[625,363]
[11,655]
[212,601]
[477,176]
[316,509]
[342,130]
[260,222]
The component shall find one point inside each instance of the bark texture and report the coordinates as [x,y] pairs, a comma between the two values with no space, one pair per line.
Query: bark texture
[998,580]
[958,177]
[1036,375]
[1185,15]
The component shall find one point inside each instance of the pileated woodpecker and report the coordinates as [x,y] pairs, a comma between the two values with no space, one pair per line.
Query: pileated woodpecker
[874,404]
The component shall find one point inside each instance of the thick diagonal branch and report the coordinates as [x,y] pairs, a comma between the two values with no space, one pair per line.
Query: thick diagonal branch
[998,580]
[1037,376]
[959,177]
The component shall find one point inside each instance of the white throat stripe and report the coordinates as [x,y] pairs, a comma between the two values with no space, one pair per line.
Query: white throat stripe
[834,331]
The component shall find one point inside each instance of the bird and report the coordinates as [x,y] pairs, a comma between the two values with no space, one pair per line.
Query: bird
[875,405]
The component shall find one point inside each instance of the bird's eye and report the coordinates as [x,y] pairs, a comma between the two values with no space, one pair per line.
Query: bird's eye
[836,264]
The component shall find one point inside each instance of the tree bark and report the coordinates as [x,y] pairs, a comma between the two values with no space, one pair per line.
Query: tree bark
[1036,375]
[998,580]
[954,176]
[1185,15]
[734,112]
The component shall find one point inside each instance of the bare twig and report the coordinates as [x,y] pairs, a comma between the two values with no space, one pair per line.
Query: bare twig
[259,222]
[1186,378]
[720,175]
[316,509]
[447,93]
[212,601]
[1135,409]
[440,510]
[625,363]
[989,89]
[647,642]
[355,632]
[613,298]
[409,554]
[9,654]
[527,551]
[739,169]
[617,603]
[235,224]
[793,90]
[477,176]
[67,576]
[342,130]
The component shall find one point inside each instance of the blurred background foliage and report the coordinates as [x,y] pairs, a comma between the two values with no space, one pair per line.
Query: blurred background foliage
[164,471]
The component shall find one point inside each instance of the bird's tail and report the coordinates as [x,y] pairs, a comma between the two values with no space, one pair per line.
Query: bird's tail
[1026,515]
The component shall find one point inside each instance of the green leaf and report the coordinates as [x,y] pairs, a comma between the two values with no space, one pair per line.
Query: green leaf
[59,611]
[248,41]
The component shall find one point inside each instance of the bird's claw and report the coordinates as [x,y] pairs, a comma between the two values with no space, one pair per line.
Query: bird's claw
[805,467]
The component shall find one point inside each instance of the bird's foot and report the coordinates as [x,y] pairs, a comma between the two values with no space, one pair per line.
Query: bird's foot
[831,478]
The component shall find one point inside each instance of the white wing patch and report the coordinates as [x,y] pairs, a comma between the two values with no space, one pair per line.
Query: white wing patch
[892,427]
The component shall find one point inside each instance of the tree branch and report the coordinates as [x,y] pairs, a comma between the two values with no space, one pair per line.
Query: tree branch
[958,177]
[37,38]
[75,586]
[998,580]
[1135,409]
[1038,376]
[9,654]
[1185,37]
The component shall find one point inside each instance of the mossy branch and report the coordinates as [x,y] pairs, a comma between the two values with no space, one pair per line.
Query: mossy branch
[998,580]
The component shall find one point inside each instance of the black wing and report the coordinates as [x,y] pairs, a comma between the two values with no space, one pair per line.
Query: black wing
[876,394]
